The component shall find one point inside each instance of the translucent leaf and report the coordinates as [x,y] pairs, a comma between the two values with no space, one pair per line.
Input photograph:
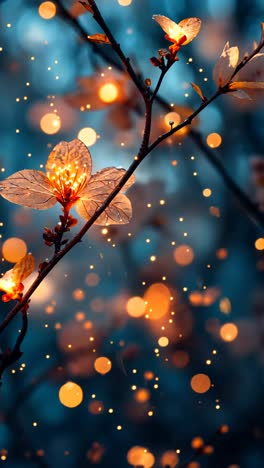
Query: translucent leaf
[68,163]
[253,70]
[185,31]
[191,27]
[262,31]
[226,65]
[29,188]
[78,8]
[103,183]
[118,212]
[23,268]
[99,38]
[246,85]
[198,90]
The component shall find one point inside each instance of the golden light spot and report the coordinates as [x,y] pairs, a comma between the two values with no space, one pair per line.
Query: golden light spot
[200,383]
[142,395]
[229,332]
[78,294]
[136,306]
[214,140]
[70,394]
[163,341]
[225,305]
[50,123]
[79,316]
[88,136]
[197,443]
[207,192]
[108,92]
[221,254]
[183,255]
[169,459]
[96,407]
[139,456]
[157,299]
[148,375]
[259,244]
[47,10]
[14,249]
[102,365]
[124,2]
[172,117]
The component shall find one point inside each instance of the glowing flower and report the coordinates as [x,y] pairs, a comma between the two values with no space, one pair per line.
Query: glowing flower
[179,34]
[11,281]
[107,90]
[69,182]
[244,83]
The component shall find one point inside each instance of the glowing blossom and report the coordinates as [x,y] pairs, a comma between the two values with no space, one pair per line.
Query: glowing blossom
[11,281]
[246,82]
[68,180]
[179,34]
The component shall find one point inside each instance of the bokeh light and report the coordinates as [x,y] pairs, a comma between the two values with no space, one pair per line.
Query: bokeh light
[88,136]
[70,394]
[108,92]
[13,249]
[229,332]
[47,10]
[157,298]
[50,123]
[102,365]
[183,255]
[200,383]
[136,306]
[214,140]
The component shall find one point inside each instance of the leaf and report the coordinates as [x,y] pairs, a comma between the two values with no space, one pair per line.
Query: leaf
[29,188]
[78,8]
[118,212]
[181,33]
[68,160]
[226,65]
[198,90]
[87,6]
[23,268]
[99,38]
[246,85]
[253,70]
[103,183]
[191,27]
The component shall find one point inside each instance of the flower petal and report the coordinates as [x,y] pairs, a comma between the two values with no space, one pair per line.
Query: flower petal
[103,183]
[29,188]
[226,65]
[23,268]
[190,27]
[118,212]
[253,70]
[72,156]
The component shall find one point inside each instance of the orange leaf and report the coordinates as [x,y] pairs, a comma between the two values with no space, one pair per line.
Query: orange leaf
[198,90]
[99,38]
[23,268]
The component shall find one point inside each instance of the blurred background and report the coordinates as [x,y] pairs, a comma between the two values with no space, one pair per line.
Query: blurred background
[146,343]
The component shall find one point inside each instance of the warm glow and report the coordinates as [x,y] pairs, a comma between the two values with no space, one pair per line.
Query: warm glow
[214,140]
[70,395]
[92,279]
[172,117]
[197,443]
[259,244]
[207,192]
[183,255]
[139,456]
[163,341]
[108,92]
[169,459]
[47,10]
[50,123]
[124,2]
[78,294]
[14,249]
[142,395]
[229,332]
[157,297]
[88,136]
[200,383]
[222,254]
[102,365]
[135,306]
